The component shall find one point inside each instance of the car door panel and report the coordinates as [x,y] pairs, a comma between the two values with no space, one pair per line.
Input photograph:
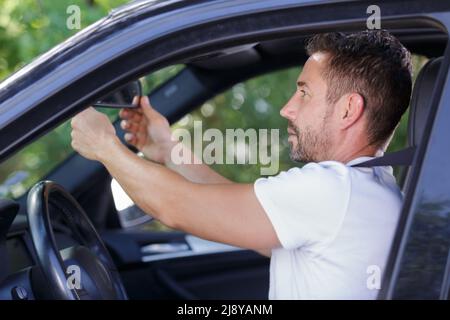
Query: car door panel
[186,267]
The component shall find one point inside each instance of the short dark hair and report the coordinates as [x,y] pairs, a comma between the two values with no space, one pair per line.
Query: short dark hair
[374,64]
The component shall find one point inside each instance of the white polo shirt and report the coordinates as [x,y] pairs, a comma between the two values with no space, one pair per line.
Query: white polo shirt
[335,224]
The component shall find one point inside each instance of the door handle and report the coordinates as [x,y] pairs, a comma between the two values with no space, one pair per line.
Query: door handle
[158,248]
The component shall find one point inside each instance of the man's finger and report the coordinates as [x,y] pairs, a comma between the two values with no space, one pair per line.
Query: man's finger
[147,109]
[132,115]
[124,124]
[129,125]
[130,138]
[89,110]
[123,113]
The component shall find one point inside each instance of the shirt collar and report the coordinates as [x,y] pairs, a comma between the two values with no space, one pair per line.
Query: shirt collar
[379,153]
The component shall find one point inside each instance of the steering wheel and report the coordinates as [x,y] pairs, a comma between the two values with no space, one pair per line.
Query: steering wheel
[89,260]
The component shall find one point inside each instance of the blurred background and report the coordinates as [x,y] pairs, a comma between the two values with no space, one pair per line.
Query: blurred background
[29,28]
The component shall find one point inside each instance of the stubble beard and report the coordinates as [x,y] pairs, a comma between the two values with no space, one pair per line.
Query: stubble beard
[311,146]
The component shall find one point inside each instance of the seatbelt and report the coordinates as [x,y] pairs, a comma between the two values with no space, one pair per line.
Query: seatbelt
[398,158]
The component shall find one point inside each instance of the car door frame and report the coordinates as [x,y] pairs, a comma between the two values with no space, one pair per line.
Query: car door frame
[423,198]
[121,52]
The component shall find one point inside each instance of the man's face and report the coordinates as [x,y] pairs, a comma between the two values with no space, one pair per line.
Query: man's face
[309,116]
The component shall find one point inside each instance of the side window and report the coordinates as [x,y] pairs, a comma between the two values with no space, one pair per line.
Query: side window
[255,105]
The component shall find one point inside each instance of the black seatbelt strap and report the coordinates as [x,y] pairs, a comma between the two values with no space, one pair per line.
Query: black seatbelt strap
[399,158]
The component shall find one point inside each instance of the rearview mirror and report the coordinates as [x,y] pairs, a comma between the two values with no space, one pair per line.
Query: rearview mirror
[122,97]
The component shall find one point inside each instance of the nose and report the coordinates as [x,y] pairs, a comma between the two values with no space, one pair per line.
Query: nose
[288,111]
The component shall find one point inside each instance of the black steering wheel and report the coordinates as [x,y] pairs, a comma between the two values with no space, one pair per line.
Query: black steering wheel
[89,259]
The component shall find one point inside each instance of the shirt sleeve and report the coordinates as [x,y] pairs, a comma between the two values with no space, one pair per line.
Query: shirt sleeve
[306,206]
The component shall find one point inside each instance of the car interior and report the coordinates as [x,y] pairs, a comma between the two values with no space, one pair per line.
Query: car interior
[171,264]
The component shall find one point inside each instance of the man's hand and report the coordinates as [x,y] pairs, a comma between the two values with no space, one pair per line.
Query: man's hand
[148,130]
[92,133]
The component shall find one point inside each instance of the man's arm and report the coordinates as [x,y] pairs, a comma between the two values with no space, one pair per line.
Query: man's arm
[201,173]
[150,132]
[195,171]
[228,213]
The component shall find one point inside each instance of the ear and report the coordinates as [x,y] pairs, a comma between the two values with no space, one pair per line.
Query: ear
[352,110]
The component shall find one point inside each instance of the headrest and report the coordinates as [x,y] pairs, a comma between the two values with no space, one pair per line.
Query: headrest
[421,99]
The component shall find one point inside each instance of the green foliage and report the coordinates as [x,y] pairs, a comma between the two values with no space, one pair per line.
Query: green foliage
[29,28]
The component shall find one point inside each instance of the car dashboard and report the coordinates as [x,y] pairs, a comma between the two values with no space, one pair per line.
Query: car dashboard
[19,273]
[17,261]
[17,254]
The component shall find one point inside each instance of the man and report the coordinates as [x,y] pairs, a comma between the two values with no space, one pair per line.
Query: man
[327,225]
